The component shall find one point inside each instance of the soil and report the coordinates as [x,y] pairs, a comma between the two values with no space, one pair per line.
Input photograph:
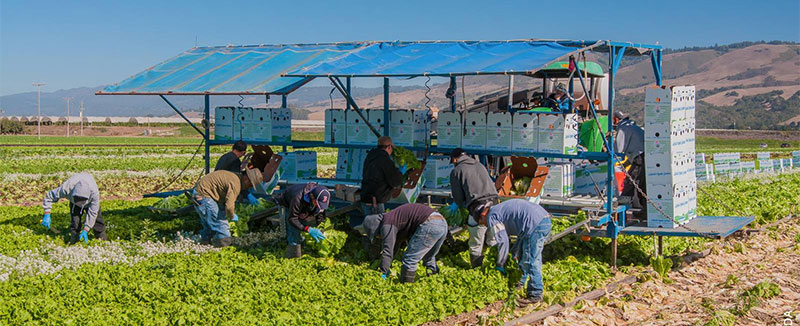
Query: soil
[61,130]
[700,289]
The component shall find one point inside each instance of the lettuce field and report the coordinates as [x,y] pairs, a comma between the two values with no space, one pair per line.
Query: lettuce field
[154,270]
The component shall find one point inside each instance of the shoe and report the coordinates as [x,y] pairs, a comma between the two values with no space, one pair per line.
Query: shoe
[205,242]
[433,271]
[407,276]
[476,261]
[294,251]
[529,301]
[224,242]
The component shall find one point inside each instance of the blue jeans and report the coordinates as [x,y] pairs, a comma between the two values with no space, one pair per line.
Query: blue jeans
[212,218]
[425,244]
[292,233]
[531,260]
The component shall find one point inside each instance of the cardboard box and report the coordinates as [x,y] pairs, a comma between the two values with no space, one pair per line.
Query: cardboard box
[765,165]
[691,193]
[262,125]
[281,125]
[558,133]
[242,118]
[520,167]
[498,131]
[796,159]
[450,128]
[560,181]
[410,128]
[357,131]
[704,172]
[700,158]
[437,171]
[669,104]
[474,131]
[525,133]
[589,176]
[748,166]
[223,123]
[376,119]
[335,126]
[409,192]
[349,163]
[298,165]
[672,200]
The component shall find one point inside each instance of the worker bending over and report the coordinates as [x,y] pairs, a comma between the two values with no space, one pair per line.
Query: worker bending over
[84,198]
[215,201]
[423,227]
[231,161]
[473,189]
[302,209]
[531,224]
[630,141]
[379,177]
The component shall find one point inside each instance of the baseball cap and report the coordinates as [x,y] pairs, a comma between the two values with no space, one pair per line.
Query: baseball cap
[561,87]
[457,152]
[620,115]
[323,197]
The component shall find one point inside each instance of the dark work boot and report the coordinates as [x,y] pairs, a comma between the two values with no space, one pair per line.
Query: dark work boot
[476,261]
[294,251]
[407,276]
[224,242]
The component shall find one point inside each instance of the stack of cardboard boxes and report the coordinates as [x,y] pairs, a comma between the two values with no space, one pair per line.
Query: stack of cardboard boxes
[253,124]
[727,164]
[298,165]
[670,155]
[437,171]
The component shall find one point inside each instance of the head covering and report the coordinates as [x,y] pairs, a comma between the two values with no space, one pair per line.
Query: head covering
[457,152]
[561,87]
[370,226]
[323,196]
[620,115]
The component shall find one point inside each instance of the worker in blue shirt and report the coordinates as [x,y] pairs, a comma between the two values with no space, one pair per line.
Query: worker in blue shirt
[558,100]
[531,224]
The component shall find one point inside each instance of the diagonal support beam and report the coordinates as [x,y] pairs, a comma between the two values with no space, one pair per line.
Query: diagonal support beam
[182,116]
[340,87]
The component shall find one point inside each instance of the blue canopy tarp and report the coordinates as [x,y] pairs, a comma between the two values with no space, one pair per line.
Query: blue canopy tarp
[442,58]
[255,69]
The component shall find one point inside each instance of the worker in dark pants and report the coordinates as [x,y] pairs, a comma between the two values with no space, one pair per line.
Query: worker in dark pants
[630,141]
[231,161]
[302,209]
[379,177]
[214,198]
[531,224]
[84,198]
[473,189]
[424,228]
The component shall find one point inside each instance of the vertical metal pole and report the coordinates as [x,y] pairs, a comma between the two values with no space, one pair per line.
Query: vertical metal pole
[571,90]
[347,108]
[614,253]
[611,150]
[510,93]
[660,245]
[39,109]
[386,106]
[81,117]
[283,101]
[453,99]
[206,126]
[68,100]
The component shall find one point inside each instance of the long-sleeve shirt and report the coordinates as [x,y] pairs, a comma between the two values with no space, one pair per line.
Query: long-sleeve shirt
[379,176]
[470,182]
[629,139]
[81,185]
[513,217]
[302,213]
[400,223]
[229,162]
[223,187]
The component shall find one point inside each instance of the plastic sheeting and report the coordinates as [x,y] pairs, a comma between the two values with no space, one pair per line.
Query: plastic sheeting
[231,70]
[441,59]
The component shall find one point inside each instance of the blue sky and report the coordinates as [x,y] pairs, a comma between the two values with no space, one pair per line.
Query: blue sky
[89,43]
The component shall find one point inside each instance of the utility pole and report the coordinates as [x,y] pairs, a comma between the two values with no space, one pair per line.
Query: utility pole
[39,110]
[81,118]
[68,99]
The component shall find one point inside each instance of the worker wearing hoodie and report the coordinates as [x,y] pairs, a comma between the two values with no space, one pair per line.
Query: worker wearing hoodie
[379,177]
[84,197]
[302,209]
[531,224]
[424,228]
[473,189]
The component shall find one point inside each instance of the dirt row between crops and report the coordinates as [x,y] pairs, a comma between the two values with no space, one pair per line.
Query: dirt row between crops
[699,289]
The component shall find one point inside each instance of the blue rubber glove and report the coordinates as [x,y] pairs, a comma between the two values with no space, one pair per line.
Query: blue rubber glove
[403,168]
[501,270]
[453,208]
[316,234]
[46,220]
[235,218]
[84,236]
[252,199]
[384,275]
